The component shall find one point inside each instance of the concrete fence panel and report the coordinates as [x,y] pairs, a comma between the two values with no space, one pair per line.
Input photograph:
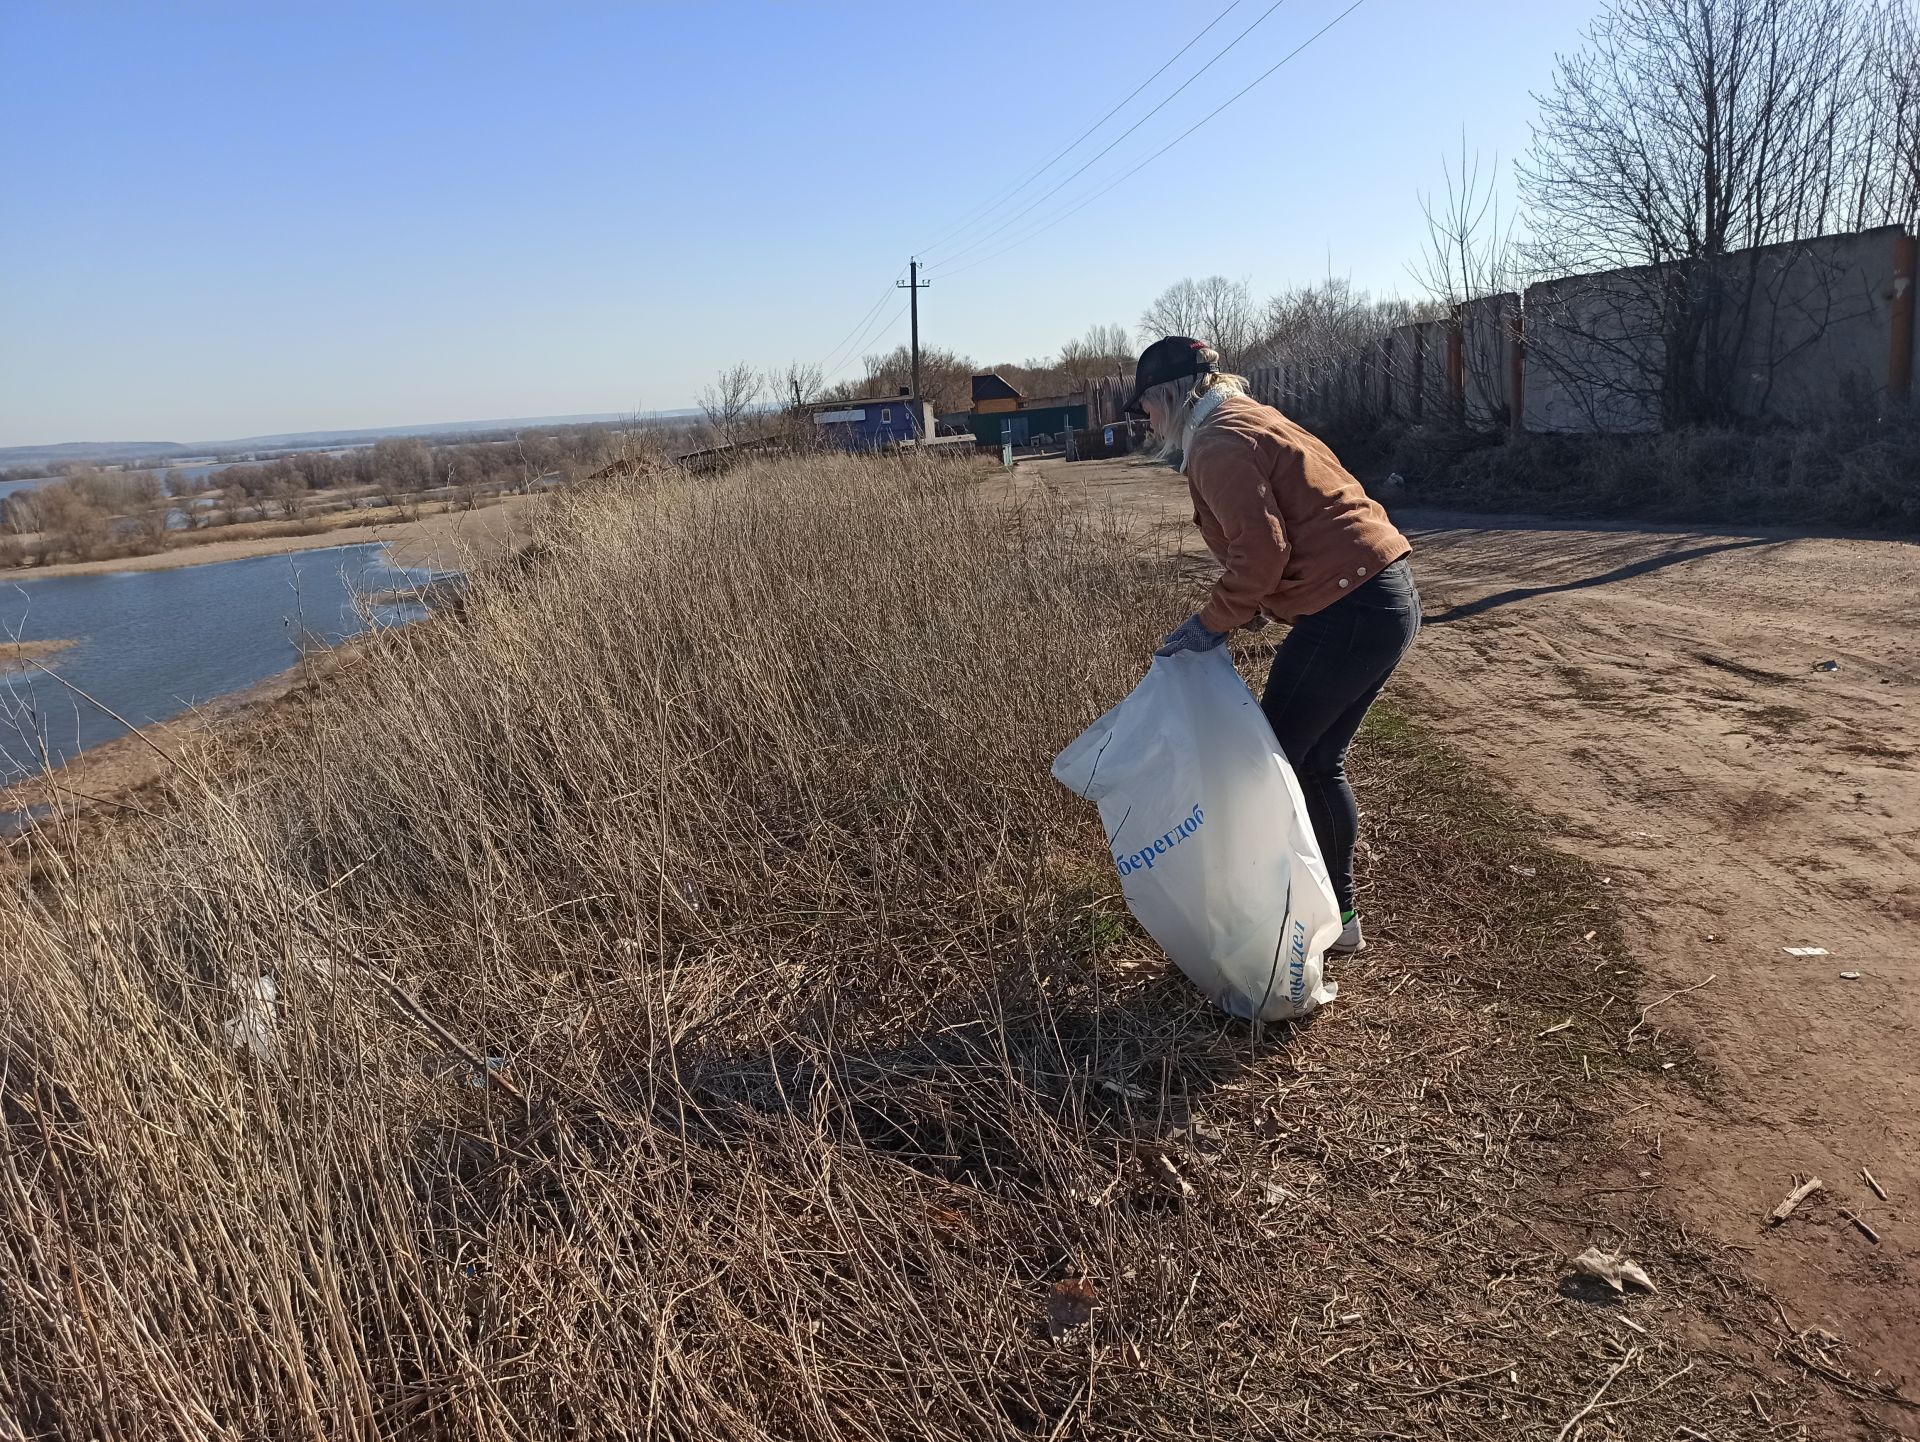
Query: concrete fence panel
[1804,330]
[1595,354]
[1792,333]
[1486,344]
[1435,391]
[1403,371]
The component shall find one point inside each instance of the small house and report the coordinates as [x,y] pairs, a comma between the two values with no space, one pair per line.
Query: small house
[874,424]
[1001,414]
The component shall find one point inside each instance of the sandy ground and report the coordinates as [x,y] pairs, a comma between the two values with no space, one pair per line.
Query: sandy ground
[445,539]
[108,779]
[1656,693]
[14,655]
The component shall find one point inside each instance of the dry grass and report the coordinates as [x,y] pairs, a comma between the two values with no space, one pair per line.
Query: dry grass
[837,1097]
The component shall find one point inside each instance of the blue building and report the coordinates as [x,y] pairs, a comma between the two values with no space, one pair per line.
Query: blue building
[873,425]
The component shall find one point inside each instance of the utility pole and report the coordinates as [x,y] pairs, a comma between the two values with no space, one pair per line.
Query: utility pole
[913,285]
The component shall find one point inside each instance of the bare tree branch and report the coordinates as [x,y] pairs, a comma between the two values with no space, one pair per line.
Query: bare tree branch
[726,403]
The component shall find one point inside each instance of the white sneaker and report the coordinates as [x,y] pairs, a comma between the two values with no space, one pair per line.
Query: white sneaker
[1349,941]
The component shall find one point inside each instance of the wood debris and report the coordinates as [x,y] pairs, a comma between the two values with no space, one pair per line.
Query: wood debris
[1865,1230]
[1793,1199]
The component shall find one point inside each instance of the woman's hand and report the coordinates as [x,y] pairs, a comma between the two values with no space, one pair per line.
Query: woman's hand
[1190,635]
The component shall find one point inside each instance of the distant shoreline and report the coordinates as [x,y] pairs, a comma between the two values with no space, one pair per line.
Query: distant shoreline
[164,452]
[446,540]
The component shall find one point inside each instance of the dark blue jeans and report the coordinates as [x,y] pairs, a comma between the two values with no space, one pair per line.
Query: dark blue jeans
[1324,677]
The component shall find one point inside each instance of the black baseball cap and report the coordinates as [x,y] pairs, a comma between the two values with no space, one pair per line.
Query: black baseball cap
[1173,358]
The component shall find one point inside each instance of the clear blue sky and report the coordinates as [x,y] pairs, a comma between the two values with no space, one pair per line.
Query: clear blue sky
[222,220]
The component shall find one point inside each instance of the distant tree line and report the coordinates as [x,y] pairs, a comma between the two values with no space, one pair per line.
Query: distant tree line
[94,514]
[1302,323]
[397,467]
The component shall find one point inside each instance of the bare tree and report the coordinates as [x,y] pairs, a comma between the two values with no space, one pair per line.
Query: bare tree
[1889,188]
[1228,318]
[1326,323]
[799,385]
[1470,250]
[1214,309]
[945,378]
[400,465]
[1692,128]
[726,402]
[1681,133]
[1104,351]
[1470,268]
[1175,311]
[1322,332]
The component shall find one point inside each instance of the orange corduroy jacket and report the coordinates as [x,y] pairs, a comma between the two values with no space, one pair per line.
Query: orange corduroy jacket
[1294,530]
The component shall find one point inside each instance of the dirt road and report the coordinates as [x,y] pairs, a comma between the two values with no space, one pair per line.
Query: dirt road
[1659,693]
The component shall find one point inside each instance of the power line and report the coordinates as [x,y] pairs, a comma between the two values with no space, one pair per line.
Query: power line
[1046,195]
[833,356]
[1095,195]
[994,205]
[870,334]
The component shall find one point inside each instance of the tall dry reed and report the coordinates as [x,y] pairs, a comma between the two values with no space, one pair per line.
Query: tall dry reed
[739,782]
[690,1011]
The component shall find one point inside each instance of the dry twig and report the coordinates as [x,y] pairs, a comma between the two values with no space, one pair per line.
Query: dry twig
[1633,1354]
[1793,1199]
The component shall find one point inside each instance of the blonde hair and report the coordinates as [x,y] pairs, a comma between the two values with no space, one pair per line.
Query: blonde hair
[1179,396]
[1226,381]
[1216,379]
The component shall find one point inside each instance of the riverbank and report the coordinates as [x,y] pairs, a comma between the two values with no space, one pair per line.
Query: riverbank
[123,775]
[115,776]
[416,536]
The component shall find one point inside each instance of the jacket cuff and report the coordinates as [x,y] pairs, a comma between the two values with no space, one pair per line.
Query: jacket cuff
[1218,615]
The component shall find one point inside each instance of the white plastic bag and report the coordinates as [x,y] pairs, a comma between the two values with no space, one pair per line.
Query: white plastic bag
[1208,828]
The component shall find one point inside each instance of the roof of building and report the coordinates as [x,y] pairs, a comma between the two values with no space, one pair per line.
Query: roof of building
[991,387]
[861,401]
[1047,403]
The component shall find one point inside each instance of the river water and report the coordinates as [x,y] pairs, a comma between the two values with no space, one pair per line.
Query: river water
[152,644]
